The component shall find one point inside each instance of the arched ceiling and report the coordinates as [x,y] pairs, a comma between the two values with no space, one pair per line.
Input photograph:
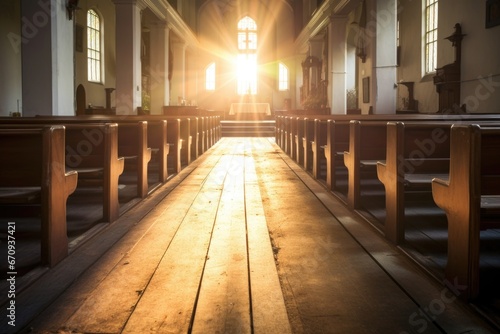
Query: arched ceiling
[229,5]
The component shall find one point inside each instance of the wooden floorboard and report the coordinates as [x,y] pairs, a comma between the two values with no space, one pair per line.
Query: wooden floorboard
[331,278]
[241,241]
[224,300]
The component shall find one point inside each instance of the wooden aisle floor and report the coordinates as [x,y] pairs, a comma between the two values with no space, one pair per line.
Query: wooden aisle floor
[241,241]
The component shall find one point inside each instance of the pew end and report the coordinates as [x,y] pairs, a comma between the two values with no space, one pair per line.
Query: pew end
[471,201]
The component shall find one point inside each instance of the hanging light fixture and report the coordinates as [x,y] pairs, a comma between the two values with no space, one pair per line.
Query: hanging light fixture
[360,44]
[71,6]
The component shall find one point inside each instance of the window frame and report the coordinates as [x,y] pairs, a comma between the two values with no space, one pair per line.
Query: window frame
[283,77]
[247,42]
[430,36]
[94,48]
[210,82]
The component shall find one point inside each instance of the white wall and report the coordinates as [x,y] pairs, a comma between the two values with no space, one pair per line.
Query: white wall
[95,92]
[410,29]
[480,90]
[480,57]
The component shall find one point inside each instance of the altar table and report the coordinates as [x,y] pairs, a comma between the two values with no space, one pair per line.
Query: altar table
[245,108]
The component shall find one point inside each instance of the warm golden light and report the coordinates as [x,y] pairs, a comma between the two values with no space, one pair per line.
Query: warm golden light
[247,74]
[246,64]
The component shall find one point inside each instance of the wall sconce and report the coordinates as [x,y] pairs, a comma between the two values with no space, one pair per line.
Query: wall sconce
[360,48]
[71,6]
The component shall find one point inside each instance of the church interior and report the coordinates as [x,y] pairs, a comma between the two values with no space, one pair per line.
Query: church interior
[250,166]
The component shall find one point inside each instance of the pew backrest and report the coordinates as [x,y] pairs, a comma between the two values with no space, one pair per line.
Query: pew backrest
[33,157]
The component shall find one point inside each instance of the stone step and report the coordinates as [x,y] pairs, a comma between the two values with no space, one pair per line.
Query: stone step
[262,128]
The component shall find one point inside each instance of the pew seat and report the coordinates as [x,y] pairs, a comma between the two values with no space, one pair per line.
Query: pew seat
[422,180]
[20,195]
[415,153]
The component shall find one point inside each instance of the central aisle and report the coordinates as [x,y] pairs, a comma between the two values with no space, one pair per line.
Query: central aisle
[241,241]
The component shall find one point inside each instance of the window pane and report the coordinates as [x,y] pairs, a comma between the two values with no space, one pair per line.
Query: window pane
[247,74]
[247,58]
[430,38]
[93,46]
[247,23]
[283,77]
[242,40]
[210,77]
[252,41]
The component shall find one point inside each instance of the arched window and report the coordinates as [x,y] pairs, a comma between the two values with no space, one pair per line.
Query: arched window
[210,77]
[247,56]
[283,77]
[94,35]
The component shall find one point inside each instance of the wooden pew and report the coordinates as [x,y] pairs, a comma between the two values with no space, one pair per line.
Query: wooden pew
[312,150]
[285,134]
[339,143]
[415,153]
[175,143]
[167,134]
[163,137]
[132,141]
[218,128]
[291,132]
[173,139]
[92,150]
[471,200]
[211,132]
[133,146]
[195,136]
[278,130]
[157,140]
[337,139]
[33,172]
[293,123]
[367,145]
[288,135]
[318,147]
[187,141]
[178,137]
[307,140]
[202,123]
[298,138]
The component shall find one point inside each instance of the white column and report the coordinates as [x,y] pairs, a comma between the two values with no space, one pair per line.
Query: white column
[160,86]
[47,59]
[178,87]
[338,62]
[128,56]
[384,72]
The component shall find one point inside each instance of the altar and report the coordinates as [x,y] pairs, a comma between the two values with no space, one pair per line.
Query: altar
[250,108]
